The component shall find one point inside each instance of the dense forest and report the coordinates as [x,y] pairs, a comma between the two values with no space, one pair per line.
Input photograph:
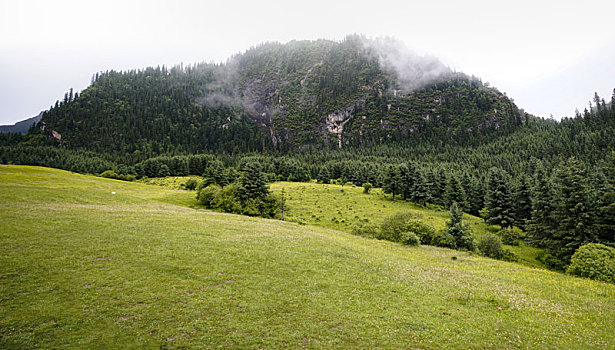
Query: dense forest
[334,112]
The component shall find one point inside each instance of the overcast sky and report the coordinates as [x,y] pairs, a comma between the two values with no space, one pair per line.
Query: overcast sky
[549,56]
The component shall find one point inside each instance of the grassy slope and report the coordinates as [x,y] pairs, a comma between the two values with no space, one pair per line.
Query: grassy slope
[341,208]
[86,268]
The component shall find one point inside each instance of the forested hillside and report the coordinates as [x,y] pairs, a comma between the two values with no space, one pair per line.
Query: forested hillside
[343,112]
[281,97]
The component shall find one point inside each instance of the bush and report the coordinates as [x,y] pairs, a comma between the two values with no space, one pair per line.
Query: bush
[191,184]
[206,195]
[426,233]
[491,246]
[595,261]
[510,236]
[552,262]
[110,174]
[409,238]
[394,225]
[367,187]
[366,230]
[227,199]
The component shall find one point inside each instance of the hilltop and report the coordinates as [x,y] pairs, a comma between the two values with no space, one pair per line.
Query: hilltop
[283,97]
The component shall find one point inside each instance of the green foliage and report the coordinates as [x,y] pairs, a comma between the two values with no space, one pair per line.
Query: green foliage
[454,193]
[367,230]
[191,184]
[228,199]
[510,235]
[367,187]
[595,261]
[573,211]
[393,226]
[490,245]
[498,200]
[462,237]
[252,183]
[206,195]
[409,238]
[110,174]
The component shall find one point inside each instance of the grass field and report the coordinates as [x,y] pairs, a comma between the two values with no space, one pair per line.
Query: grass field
[342,208]
[82,267]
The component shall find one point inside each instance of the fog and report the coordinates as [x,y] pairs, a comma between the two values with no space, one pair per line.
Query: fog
[412,70]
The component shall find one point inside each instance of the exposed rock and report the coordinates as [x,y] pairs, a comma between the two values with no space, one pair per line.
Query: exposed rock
[335,122]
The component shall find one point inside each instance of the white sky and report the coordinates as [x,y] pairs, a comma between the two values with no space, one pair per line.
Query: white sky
[550,56]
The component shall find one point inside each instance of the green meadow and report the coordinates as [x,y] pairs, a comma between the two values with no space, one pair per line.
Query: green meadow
[88,262]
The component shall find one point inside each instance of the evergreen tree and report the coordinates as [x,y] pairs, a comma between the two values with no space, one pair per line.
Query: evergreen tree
[522,202]
[392,181]
[573,211]
[420,190]
[323,175]
[454,193]
[606,204]
[498,200]
[252,183]
[541,226]
[456,229]
[406,180]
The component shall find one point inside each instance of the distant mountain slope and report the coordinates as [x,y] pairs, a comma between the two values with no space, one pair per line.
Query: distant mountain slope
[22,126]
[284,96]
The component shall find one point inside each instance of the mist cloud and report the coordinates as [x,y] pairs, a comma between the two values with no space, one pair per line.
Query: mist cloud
[412,71]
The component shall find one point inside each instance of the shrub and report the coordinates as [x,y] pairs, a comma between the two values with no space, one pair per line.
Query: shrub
[206,195]
[110,174]
[552,262]
[491,246]
[426,233]
[227,199]
[367,187]
[409,238]
[595,261]
[510,236]
[366,230]
[191,184]
[394,225]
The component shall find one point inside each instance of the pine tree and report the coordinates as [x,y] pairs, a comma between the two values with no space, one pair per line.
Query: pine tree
[573,211]
[420,190]
[454,193]
[406,180]
[498,200]
[541,226]
[392,181]
[323,175]
[606,204]
[522,202]
[252,183]
[456,229]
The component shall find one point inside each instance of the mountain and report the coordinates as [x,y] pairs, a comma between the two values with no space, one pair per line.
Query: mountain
[284,96]
[22,126]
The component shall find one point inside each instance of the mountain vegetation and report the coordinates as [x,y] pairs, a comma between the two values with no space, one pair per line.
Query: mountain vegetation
[357,111]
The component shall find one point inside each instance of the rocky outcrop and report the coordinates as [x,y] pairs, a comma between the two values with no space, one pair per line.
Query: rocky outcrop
[335,122]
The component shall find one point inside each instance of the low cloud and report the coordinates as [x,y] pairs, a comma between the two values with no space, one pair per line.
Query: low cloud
[412,70]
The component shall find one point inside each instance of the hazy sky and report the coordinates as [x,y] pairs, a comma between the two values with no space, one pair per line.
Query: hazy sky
[549,56]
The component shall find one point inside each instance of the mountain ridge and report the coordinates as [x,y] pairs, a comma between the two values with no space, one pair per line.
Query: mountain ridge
[283,96]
